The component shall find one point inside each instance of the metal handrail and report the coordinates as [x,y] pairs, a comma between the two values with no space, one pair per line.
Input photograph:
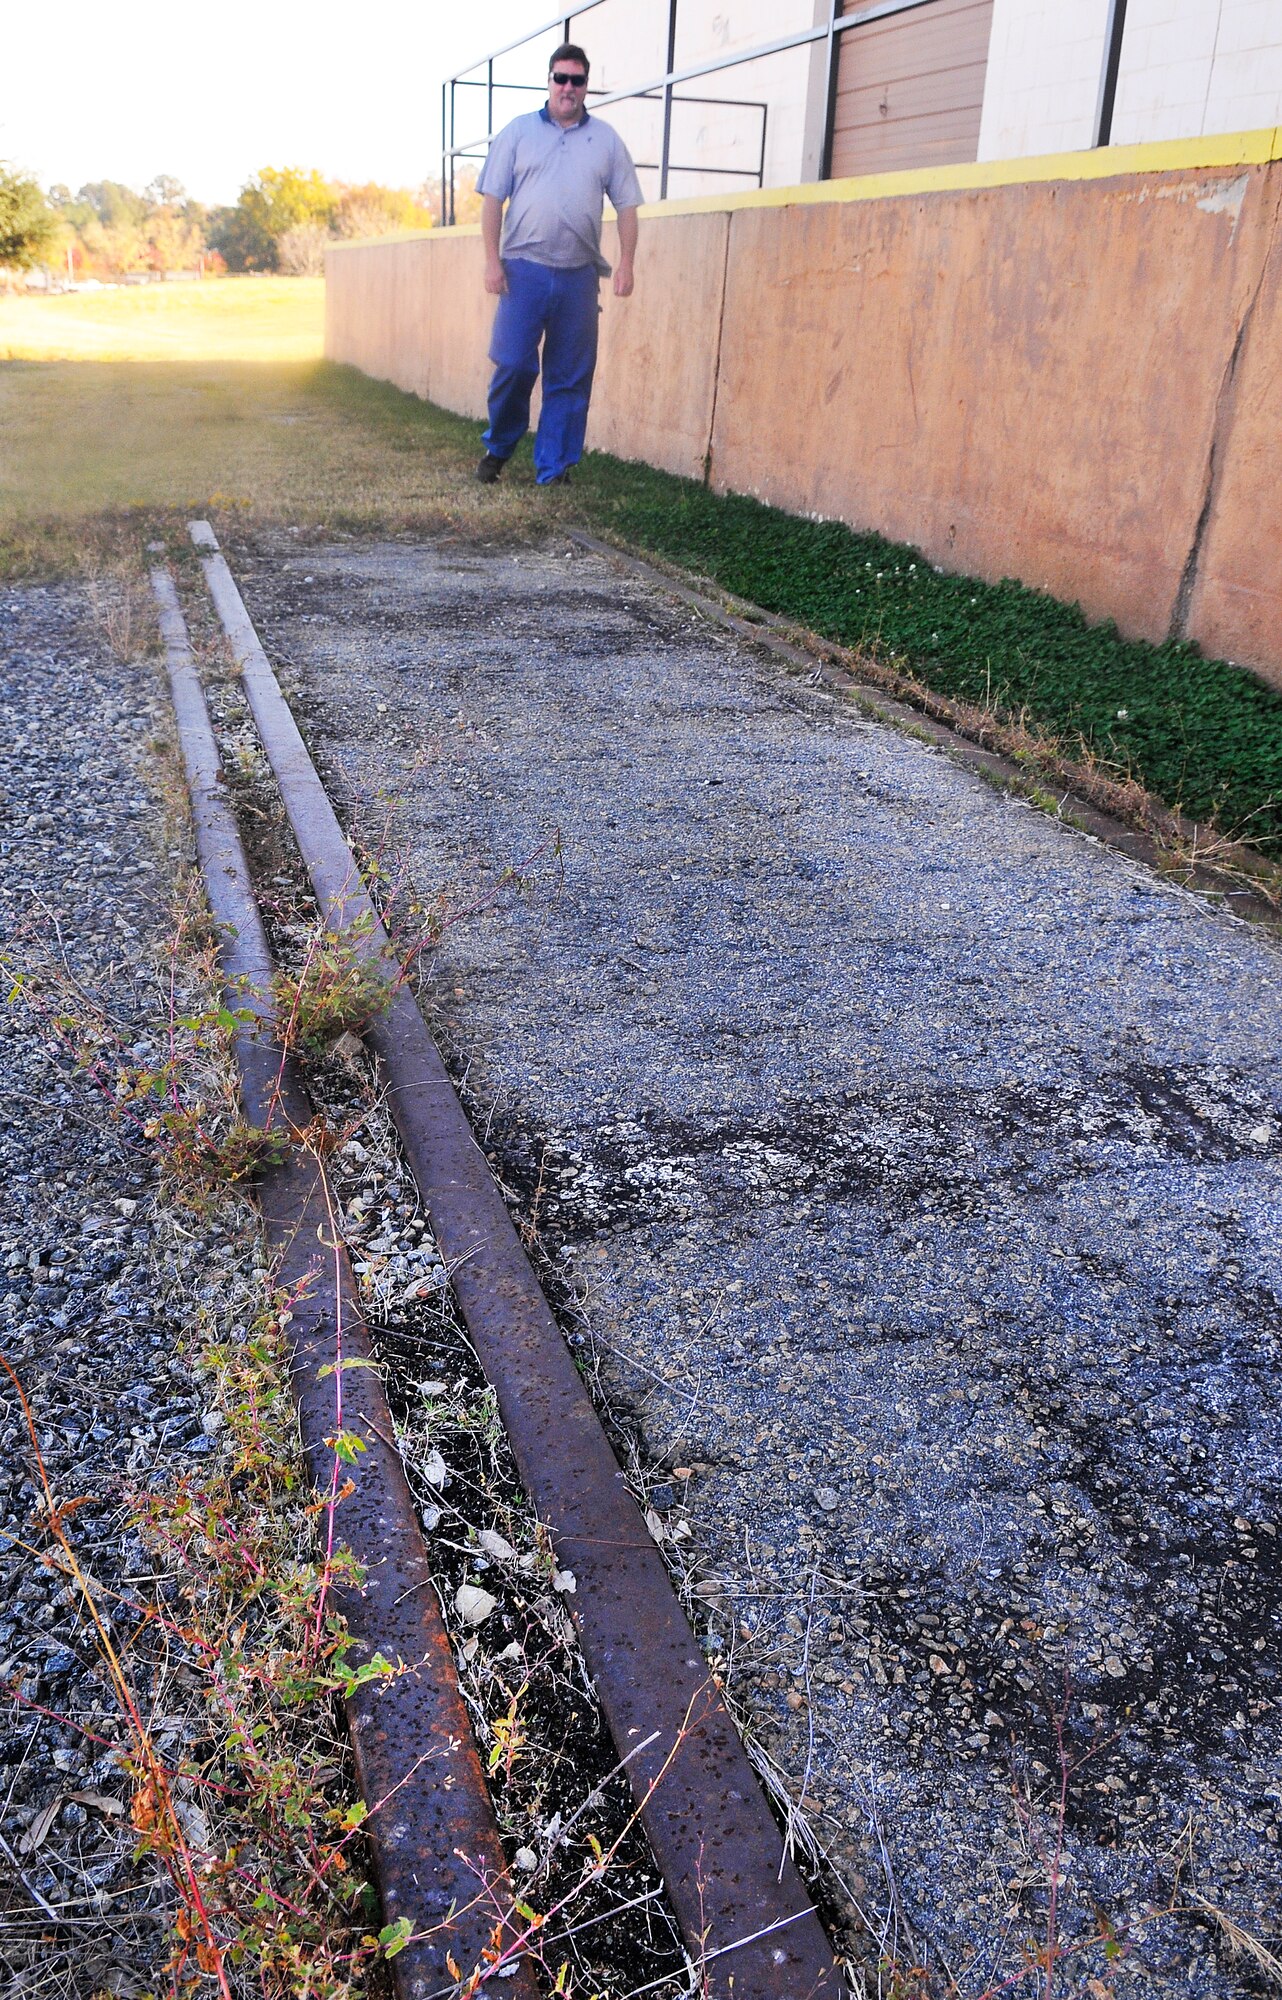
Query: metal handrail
[666,165]
[838,23]
[757,173]
[561,20]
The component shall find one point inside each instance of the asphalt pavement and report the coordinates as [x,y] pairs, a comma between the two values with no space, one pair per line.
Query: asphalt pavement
[916,1162]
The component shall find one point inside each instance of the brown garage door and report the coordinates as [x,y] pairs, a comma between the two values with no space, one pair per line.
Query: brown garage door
[910,88]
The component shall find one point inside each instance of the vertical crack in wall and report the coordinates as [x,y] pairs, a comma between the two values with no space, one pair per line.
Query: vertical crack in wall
[716,359]
[1225,409]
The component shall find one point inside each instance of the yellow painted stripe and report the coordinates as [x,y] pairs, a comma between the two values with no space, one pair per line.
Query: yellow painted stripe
[1233,149]
[1162,156]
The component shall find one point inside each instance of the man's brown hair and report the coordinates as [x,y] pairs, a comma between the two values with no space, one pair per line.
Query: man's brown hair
[569,52]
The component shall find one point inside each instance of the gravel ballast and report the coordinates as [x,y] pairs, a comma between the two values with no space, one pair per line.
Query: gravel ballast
[916,1163]
[95,1282]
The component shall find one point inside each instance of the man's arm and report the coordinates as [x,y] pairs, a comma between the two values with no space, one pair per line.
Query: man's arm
[624,270]
[491,229]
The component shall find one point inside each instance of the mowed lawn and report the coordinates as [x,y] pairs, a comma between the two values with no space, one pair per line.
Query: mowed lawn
[213,397]
[222,319]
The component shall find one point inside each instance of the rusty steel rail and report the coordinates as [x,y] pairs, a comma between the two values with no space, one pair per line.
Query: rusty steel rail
[745,1915]
[431,1825]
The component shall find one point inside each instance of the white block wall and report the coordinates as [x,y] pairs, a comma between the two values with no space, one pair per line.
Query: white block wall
[627,41]
[718,27]
[1191,67]
[1042,89]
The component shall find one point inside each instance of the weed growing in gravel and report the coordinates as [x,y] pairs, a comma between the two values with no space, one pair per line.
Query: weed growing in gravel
[589,1904]
[338,989]
[169,1092]
[284,1871]
[1043,1955]
[202,1153]
[246,1803]
[156,1814]
[256,1824]
[119,599]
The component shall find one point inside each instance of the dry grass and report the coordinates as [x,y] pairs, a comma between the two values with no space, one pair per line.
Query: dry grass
[136,409]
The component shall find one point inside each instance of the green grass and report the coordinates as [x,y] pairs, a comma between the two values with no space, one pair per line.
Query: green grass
[141,407]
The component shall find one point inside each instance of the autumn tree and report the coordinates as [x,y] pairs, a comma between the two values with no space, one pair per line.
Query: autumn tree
[273,202]
[175,226]
[373,210]
[467,202]
[282,220]
[108,221]
[300,253]
[285,217]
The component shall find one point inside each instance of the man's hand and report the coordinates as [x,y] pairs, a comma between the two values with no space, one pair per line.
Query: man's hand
[623,281]
[495,279]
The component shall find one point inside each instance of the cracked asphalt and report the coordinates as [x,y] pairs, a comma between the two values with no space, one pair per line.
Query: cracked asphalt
[917,1163]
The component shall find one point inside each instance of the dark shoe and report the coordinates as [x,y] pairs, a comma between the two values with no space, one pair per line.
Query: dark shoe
[560,478]
[489,469]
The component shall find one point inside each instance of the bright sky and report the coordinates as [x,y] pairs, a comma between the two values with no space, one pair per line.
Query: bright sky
[211,94]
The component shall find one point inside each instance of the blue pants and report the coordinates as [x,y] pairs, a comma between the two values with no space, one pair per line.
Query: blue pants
[560,309]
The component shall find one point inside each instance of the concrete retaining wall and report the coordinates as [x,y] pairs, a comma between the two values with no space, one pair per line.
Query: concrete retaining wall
[1044,370]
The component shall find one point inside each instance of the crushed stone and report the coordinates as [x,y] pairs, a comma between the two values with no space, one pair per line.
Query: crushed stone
[95,1286]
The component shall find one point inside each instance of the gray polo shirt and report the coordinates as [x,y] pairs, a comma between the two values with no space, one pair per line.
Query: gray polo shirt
[554,179]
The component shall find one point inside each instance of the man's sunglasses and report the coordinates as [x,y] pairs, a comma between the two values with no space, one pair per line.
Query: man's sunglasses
[563,76]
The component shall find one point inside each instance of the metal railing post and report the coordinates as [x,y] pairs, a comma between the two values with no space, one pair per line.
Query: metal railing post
[1108,76]
[453,143]
[445,146]
[489,97]
[831,56]
[668,66]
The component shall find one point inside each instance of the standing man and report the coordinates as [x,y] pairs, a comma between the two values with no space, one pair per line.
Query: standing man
[553,168]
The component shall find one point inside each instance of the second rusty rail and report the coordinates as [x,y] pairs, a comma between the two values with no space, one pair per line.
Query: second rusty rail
[744,1912]
[438,1857]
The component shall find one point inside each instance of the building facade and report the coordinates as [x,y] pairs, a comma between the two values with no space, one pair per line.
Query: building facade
[903,84]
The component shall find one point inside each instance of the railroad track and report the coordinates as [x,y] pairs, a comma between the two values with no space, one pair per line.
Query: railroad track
[743,1911]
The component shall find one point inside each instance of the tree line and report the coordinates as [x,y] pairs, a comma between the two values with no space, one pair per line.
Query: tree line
[282,220]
